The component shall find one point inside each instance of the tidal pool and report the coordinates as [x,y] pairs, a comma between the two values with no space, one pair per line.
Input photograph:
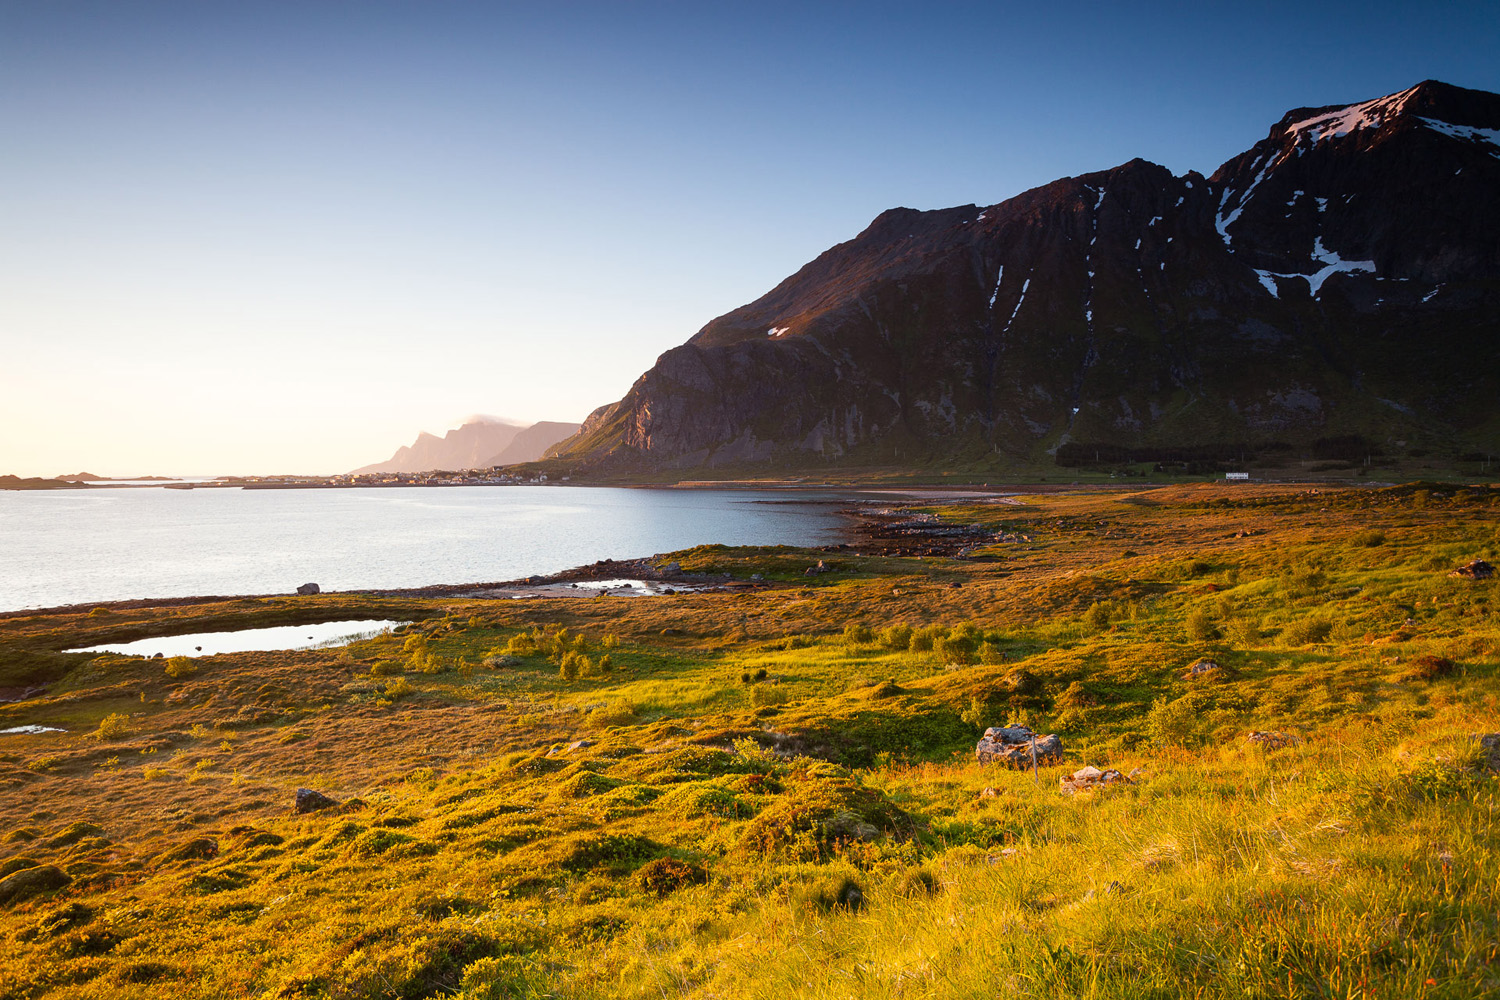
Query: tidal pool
[248,640]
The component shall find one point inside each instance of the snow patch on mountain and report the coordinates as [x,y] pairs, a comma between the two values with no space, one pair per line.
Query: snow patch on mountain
[1467,133]
[1347,120]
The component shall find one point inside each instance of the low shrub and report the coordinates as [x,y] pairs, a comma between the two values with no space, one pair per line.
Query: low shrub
[180,667]
[896,637]
[1306,630]
[666,875]
[1200,627]
[1428,668]
[113,726]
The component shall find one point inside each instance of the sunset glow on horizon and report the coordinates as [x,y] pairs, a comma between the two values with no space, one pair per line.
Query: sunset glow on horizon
[285,238]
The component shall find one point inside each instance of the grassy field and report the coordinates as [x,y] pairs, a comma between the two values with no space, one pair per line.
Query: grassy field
[773,792]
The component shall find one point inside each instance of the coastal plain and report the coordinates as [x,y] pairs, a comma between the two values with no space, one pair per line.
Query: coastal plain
[767,787]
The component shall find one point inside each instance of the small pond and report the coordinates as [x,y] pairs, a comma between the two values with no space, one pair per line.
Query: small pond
[248,640]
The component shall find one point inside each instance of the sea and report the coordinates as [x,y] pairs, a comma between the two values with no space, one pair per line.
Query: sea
[61,547]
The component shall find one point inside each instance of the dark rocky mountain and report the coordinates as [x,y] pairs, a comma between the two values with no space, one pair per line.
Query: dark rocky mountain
[1339,279]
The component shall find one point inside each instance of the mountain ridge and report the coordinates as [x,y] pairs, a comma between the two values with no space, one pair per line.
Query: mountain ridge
[478,443]
[1339,277]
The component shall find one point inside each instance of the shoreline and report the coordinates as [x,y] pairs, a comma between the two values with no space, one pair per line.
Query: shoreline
[890,529]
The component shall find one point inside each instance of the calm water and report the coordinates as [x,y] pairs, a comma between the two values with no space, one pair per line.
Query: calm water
[79,546]
[248,639]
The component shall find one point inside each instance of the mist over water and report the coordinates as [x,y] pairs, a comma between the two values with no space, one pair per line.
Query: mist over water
[82,546]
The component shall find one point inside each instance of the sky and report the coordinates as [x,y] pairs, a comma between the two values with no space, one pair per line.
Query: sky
[253,238]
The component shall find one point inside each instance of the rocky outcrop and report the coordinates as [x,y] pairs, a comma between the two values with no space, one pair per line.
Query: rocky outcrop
[308,589]
[1272,740]
[1338,280]
[308,801]
[1089,778]
[1013,745]
[1477,569]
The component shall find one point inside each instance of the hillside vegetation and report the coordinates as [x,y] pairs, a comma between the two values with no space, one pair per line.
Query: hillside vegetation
[773,792]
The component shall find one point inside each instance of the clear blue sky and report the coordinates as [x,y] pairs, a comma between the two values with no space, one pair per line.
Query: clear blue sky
[254,237]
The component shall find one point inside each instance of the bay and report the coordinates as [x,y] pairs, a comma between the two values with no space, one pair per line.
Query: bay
[81,546]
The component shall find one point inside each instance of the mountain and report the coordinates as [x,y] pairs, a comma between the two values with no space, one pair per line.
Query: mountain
[533,442]
[1339,280]
[479,443]
[467,447]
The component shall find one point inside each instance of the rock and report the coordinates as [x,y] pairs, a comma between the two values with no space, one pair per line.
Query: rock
[1490,743]
[580,744]
[1202,667]
[1011,746]
[1476,570]
[311,801]
[849,826]
[308,589]
[1273,740]
[29,882]
[757,577]
[1088,778]
[672,567]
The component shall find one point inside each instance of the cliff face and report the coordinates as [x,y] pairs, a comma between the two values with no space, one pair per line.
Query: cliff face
[1342,276]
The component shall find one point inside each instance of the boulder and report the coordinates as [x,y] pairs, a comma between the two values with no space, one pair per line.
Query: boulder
[1476,570]
[1011,746]
[308,589]
[29,882]
[1087,778]
[1202,668]
[311,801]
[1273,740]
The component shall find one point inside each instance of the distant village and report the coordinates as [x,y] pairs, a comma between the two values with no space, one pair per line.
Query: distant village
[465,477]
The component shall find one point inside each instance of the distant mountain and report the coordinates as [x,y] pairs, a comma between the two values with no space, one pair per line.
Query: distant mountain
[533,442]
[467,447]
[1339,280]
[478,444]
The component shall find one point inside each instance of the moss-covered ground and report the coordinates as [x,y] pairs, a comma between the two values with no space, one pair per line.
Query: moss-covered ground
[772,792]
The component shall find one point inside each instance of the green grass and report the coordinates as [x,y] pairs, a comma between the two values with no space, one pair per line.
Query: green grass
[820,830]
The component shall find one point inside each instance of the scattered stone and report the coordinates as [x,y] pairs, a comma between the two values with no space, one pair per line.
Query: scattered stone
[1273,740]
[1088,778]
[1202,667]
[30,882]
[849,826]
[1476,570]
[580,744]
[311,801]
[1490,743]
[308,589]
[1011,746]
